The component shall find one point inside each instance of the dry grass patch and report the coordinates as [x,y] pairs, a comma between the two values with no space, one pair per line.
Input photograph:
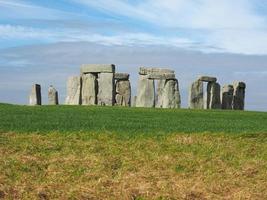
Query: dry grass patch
[110,166]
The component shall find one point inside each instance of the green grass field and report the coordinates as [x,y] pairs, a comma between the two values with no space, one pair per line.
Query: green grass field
[76,152]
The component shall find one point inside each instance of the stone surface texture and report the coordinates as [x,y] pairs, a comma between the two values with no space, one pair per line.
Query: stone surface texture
[207,79]
[154,70]
[227,97]
[121,76]
[73,91]
[160,76]
[215,96]
[239,95]
[106,89]
[145,92]
[97,68]
[123,93]
[35,97]
[171,95]
[52,96]
[196,95]
[89,89]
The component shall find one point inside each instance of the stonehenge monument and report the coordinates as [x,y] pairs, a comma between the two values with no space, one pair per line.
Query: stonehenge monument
[99,84]
[123,89]
[167,95]
[35,97]
[196,93]
[52,96]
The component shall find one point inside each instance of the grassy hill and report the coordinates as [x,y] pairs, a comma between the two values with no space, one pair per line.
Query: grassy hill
[76,152]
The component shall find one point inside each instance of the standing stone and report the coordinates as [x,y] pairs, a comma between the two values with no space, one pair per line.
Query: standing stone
[196,95]
[145,92]
[123,93]
[208,97]
[106,89]
[74,91]
[35,97]
[168,95]
[159,96]
[52,96]
[89,89]
[239,96]
[227,97]
[215,96]
[171,94]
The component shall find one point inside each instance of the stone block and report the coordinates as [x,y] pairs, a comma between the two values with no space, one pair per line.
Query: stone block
[106,89]
[145,92]
[35,97]
[154,70]
[160,76]
[227,97]
[121,76]
[196,95]
[97,68]
[215,96]
[207,79]
[123,93]
[74,91]
[239,95]
[52,96]
[89,89]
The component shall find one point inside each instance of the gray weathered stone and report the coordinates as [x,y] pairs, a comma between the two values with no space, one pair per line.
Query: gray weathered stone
[227,97]
[154,70]
[145,92]
[73,91]
[239,95]
[35,97]
[159,94]
[215,96]
[207,79]
[169,96]
[123,93]
[121,76]
[106,89]
[196,95]
[160,76]
[52,96]
[97,68]
[89,89]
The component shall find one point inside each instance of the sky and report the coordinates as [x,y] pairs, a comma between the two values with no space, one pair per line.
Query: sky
[46,42]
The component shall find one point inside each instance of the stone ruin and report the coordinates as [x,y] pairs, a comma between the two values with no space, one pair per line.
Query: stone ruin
[99,84]
[167,95]
[232,97]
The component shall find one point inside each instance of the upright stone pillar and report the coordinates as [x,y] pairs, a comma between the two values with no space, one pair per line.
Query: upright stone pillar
[215,96]
[169,95]
[35,97]
[227,97]
[52,96]
[196,95]
[160,91]
[89,89]
[106,89]
[74,91]
[123,89]
[239,96]
[145,92]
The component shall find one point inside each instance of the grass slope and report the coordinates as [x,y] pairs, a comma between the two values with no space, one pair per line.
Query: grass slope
[72,152]
[128,120]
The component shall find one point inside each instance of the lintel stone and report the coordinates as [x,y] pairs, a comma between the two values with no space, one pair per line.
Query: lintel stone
[97,68]
[207,79]
[160,76]
[154,70]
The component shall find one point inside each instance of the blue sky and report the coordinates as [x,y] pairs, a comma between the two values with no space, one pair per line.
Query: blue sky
[224,38]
